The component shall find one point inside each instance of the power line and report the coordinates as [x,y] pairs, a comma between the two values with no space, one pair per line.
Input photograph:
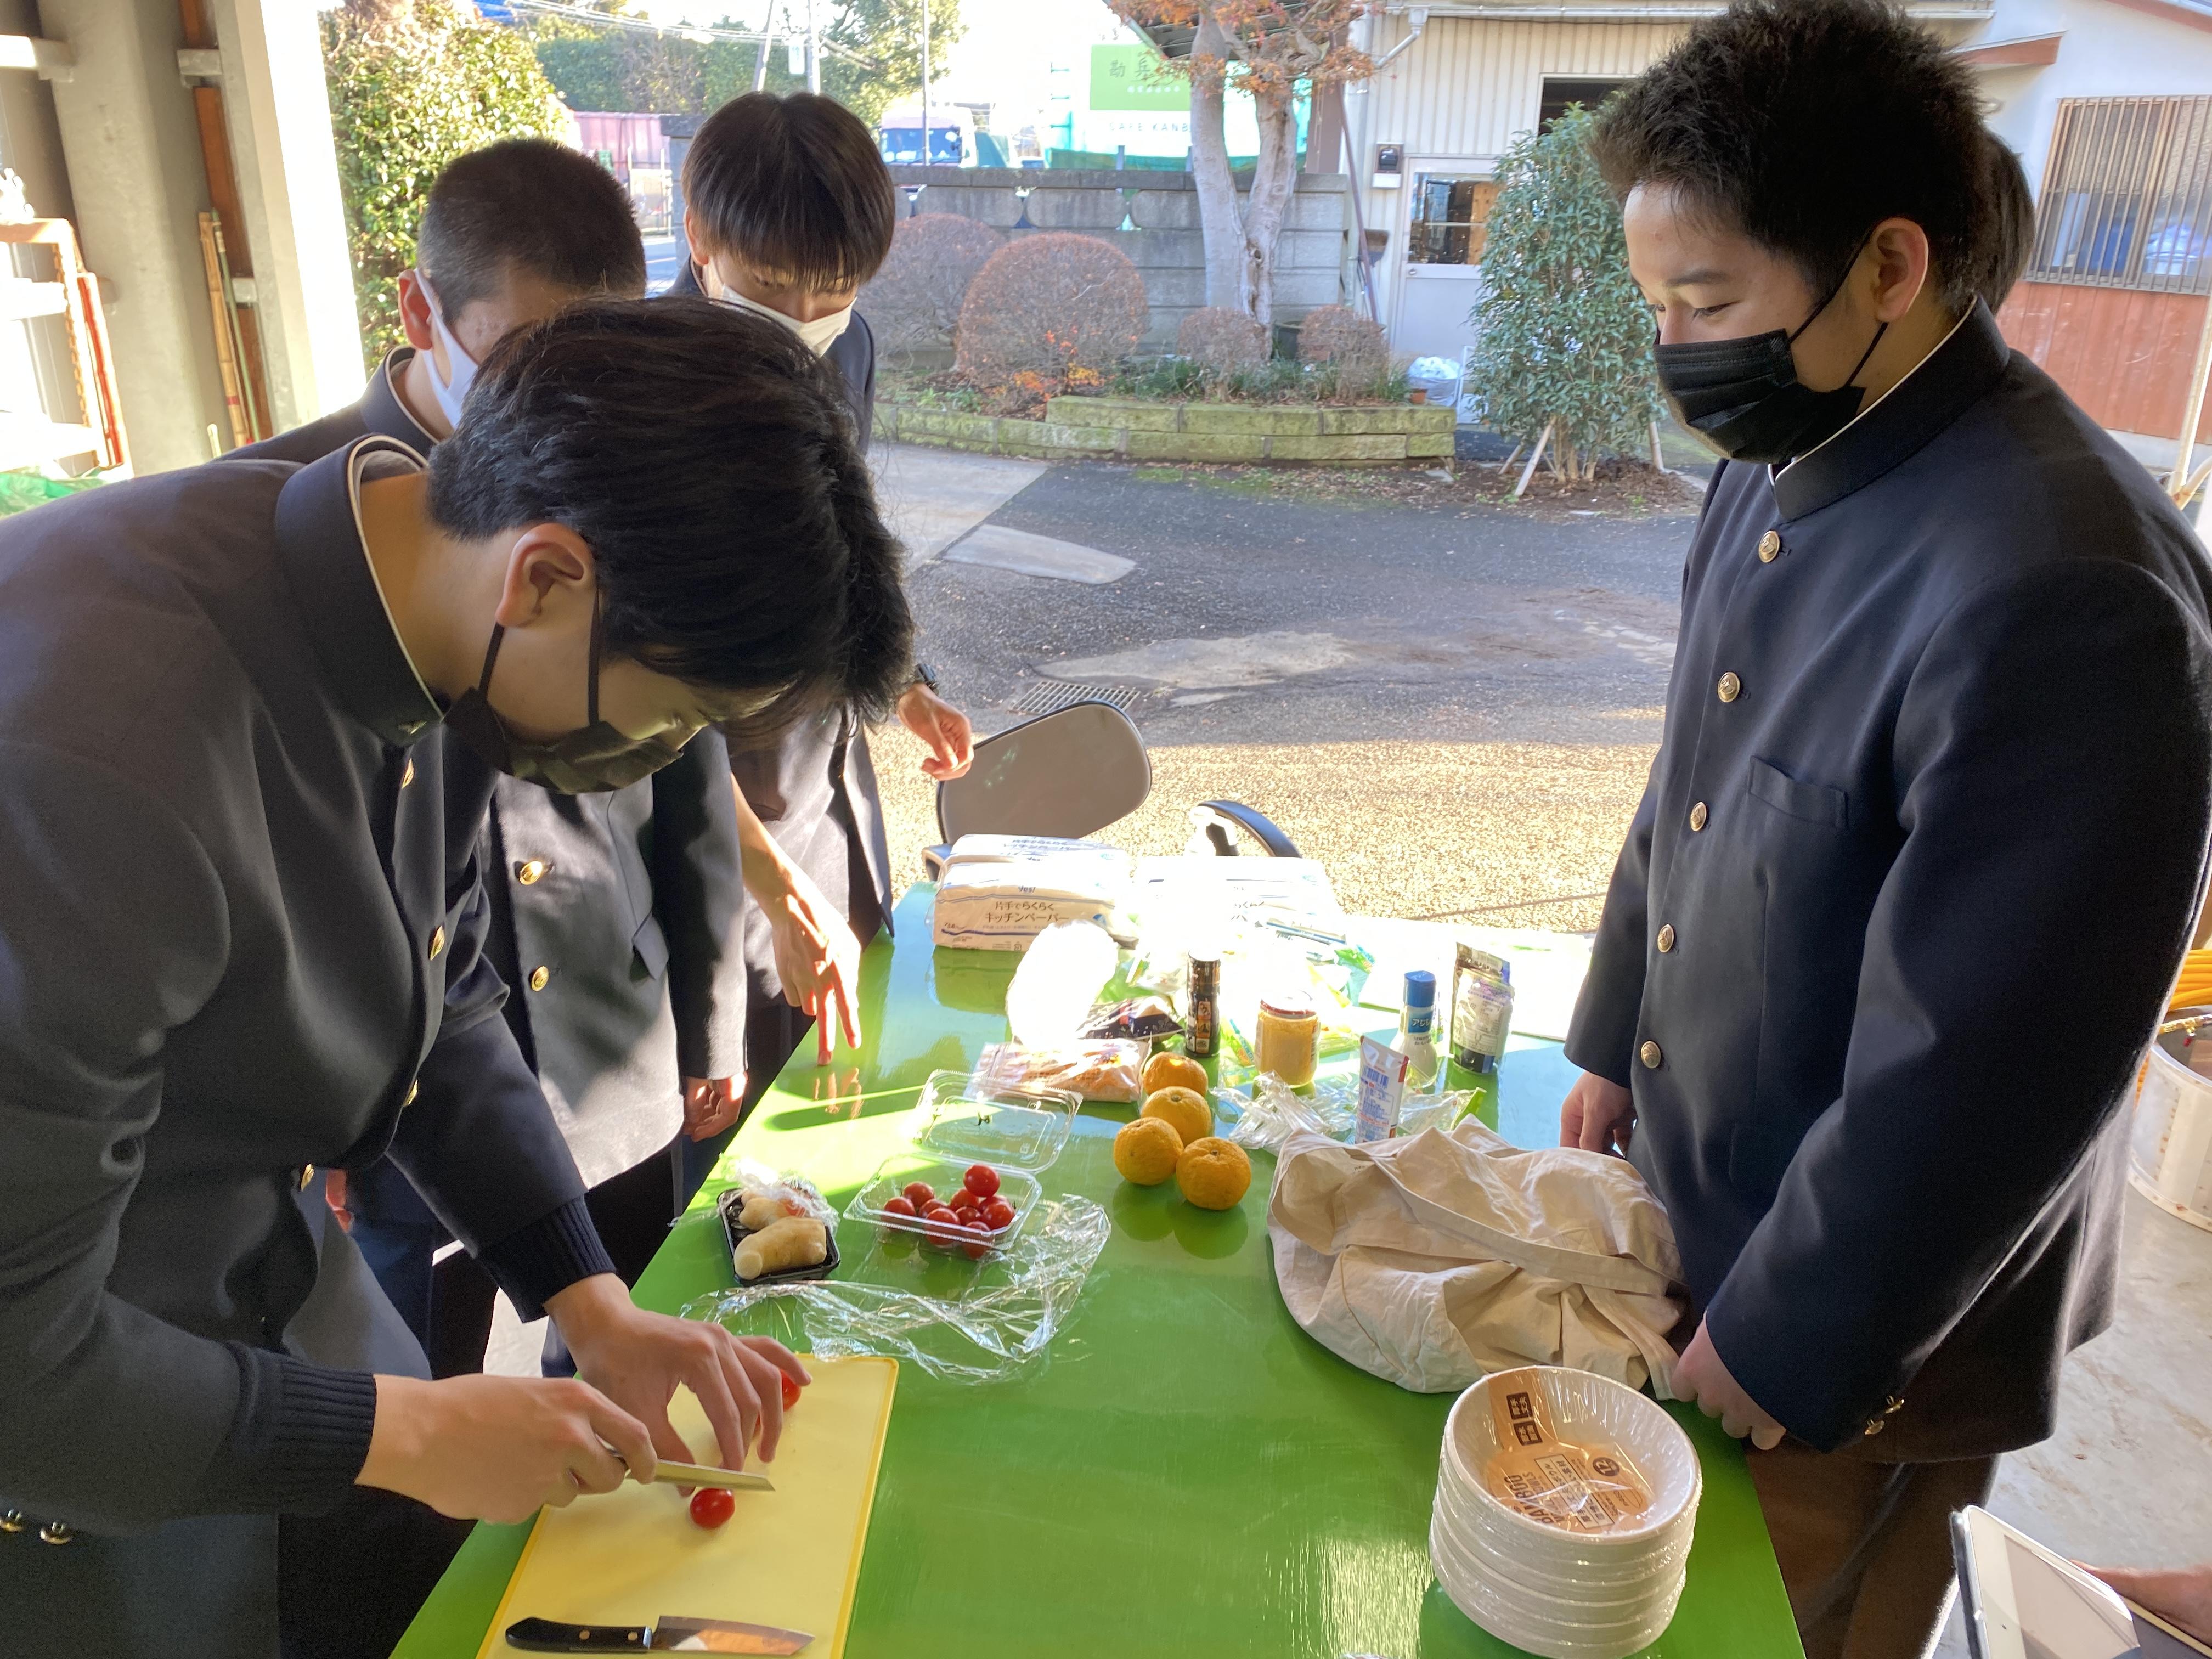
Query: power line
[683,31]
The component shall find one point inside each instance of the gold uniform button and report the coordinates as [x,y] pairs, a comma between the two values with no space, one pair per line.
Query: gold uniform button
[1697,816]
[1770,547]
[13,1521]
[1730,688]
[437,942]
[407,773]
[56,1532]
[530,871]
[408,1099]
[538,976]
[1649,1054]
[1666,939]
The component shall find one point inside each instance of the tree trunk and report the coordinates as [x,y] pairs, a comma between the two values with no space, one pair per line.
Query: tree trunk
[1221,229]
[1269,203]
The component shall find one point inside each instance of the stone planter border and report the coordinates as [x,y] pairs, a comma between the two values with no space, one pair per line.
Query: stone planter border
[1133,429]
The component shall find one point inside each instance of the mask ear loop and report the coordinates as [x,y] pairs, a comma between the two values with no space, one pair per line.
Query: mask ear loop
[1865,355]
[491,656]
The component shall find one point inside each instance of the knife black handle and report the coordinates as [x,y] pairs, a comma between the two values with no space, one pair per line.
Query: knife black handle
[543,1635]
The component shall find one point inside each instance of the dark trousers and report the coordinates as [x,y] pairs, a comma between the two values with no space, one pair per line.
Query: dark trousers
[449,1303]
[1865,1547]
[349,1583]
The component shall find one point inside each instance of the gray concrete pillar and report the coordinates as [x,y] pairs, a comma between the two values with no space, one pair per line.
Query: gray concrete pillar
[138,186]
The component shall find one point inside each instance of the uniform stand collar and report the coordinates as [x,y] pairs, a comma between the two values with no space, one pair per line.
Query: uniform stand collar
[319,542]
[1936,393]
[382,410]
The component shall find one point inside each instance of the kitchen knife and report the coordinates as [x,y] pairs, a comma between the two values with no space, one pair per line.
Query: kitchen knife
[702,1474]
[670,1635]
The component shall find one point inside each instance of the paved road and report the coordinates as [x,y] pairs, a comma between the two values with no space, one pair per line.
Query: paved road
[1454,705]
[663,257]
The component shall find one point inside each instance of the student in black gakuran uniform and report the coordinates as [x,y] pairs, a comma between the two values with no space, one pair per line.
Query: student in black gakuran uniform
[788,209]
[253,949]
[615,917]
[1925,835]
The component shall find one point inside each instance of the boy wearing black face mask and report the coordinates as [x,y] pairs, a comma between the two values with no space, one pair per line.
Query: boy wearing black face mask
[1937,762]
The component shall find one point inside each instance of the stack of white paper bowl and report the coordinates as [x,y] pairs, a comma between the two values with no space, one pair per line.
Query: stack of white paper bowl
[1560,1593]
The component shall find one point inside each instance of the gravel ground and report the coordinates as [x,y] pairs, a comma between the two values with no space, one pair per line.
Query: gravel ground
[1520,835]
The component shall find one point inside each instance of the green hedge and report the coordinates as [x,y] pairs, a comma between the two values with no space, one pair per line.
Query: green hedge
[413,84]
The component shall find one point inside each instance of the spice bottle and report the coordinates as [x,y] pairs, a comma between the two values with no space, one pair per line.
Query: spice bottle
[1202,1034]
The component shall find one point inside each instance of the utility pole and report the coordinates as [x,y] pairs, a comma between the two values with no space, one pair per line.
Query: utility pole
[767,40]
[924,82]
[813,51]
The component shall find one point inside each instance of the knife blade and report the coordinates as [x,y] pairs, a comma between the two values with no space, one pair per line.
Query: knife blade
[670,1635]
[702,1474]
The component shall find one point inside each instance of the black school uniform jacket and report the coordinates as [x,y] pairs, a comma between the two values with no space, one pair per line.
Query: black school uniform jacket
[615,917]
[241,935]
[1919,857]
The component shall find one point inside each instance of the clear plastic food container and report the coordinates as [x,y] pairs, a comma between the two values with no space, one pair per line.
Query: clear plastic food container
[1017,1136]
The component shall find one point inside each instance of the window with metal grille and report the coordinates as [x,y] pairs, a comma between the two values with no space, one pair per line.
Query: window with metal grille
[2127,196]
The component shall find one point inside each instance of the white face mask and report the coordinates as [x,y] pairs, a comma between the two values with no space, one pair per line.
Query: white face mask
[452,394]
[817,336]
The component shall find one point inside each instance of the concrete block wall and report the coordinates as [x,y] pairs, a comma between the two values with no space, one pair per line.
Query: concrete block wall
[1164,242]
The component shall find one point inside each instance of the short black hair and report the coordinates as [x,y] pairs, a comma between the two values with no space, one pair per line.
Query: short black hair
[533,205]
[794,187]
[2008,239]
[1806,122]
[709,460]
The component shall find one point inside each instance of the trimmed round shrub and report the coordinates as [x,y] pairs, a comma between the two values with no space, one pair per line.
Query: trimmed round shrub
[1222,341]
[914,302]
[1051,304]
[1340,335]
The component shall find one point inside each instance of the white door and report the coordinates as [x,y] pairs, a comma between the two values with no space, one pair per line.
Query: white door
[1442,276]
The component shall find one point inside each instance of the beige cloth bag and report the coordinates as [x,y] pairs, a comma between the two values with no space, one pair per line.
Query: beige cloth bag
[1435,1260]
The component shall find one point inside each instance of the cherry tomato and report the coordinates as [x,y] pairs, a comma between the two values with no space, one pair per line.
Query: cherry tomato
[976,1242]
[982,1179]
[964,1201]
[711,1506]
[944,1226]
[790,1390]
[997,1214]
[920,1194]
[900,1204]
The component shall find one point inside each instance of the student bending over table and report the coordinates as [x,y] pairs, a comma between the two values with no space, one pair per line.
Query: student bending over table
[788,209]
[242,940]
[1923,841]
[615,916]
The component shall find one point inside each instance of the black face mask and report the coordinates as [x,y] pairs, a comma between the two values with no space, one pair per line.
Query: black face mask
[588,762]
[1743,398]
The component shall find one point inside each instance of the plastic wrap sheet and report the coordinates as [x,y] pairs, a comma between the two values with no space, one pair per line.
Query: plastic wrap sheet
[1274,1112]
[988,1334]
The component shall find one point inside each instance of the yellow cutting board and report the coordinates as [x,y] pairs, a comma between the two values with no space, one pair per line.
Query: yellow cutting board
[790,1556]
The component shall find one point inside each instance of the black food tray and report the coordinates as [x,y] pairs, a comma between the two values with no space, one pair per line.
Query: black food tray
[727,1206]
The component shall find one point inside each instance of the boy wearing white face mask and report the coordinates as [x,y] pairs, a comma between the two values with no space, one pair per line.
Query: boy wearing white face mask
[788,210]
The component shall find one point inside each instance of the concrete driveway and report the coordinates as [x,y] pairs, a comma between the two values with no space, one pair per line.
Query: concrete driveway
[1453,706]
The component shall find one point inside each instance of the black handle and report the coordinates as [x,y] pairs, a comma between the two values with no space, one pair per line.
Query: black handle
[543,1635]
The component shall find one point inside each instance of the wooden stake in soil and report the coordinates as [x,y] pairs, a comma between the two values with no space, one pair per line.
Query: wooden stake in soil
[1535,455]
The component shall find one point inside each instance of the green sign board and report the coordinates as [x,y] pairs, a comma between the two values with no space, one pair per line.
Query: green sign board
[1131,77]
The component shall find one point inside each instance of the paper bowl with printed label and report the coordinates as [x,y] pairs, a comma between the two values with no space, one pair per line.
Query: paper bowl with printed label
[1637,1445]
[1566,1506]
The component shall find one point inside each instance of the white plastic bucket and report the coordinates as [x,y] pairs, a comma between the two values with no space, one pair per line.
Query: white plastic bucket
[2170,1158]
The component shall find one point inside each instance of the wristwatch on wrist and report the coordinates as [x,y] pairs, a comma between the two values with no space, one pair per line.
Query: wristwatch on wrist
[925,675]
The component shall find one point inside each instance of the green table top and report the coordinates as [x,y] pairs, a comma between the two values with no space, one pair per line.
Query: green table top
[1188,1471]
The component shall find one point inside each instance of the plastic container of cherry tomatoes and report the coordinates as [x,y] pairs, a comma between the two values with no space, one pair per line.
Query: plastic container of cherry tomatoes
[1017,1136]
